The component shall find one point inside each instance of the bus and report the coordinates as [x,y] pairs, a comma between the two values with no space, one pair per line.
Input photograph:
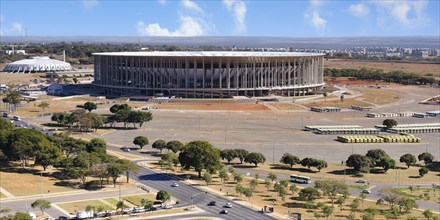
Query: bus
[300,179]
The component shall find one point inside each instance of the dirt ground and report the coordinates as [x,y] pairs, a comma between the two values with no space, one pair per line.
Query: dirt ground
[224,107]
[417,68]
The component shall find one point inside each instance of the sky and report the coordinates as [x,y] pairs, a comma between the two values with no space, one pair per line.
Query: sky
[288,18]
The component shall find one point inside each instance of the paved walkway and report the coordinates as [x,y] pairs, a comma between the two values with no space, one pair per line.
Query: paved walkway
[6,193]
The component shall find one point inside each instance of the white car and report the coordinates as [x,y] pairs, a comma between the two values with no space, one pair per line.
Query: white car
[126,149]
[175,185]
[166,206]
[228,205]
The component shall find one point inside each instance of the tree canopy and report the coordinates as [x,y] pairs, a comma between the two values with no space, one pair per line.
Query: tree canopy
[140,141]
[200,155]
[289,159]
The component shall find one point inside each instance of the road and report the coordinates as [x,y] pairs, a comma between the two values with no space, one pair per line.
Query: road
[23,204]
[185,192]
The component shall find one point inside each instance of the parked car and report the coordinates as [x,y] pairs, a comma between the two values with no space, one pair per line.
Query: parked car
[5,114]
[16,118]
[175,185]
[224,211]
[62,217]
[212,203]
[228,205]
[138,209]
[366,191]
[127,211]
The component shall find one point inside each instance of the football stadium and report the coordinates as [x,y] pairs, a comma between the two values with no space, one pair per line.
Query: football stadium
[213,74]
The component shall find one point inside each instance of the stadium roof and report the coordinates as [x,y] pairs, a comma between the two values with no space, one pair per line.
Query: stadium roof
[210,54]
[37,64]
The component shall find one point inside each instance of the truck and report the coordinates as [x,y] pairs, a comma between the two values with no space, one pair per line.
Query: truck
[85,214]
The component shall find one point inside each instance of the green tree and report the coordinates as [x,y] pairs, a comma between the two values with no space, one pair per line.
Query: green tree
[174,146]
[309,194]
[408,159]
[140,141]
[423,171]
[428,214]
[289,159]
[200,155]
[360,163]
[13,98]
[146,203]
[18,216]
[171,158]
[160,145]
[327,210]
[223,175]
[376,155]
[272,176]
[119,107]
[325,96]
[253,184]
[248,193]
[389,123]
[268,183]
[115,170]
[241,154]
[386,163]
[293,188]
[207,178]
[354,206]
[255,158]
[228,154]
[390,195]
[90,208]
[163,196]
[282,192]
[43,105]
[41,204]
[120,205]
[332,188]
[426,157]
[128,166]
[239,189]
[97,145]
[406,204]
[340,201]
[372,211]
[238,177]
[47,155]
[89,106]
[342,98]
[23,144]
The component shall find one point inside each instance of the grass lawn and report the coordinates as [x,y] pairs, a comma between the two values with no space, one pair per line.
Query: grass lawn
[336,171]
[359,187]
[337,103]
[136,200]
[72,207]
[379,96]
[26,183]
[263,196]
[112,201]
[425,194]
[286,106]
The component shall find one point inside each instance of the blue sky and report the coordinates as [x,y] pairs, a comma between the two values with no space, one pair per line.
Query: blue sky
[299,18]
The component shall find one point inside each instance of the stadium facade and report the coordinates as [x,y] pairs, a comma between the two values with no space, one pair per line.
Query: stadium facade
[208,74]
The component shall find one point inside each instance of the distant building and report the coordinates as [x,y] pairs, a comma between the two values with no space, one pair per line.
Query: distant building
[420,53]
[55,89]
[37,64]
[12,52]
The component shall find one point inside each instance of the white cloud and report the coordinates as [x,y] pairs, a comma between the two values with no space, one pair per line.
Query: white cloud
[90,4]
[188,4]
[162,2]
[407,13]
[18,28]
[313,16]
[238,10]
[189,26]
[359,10]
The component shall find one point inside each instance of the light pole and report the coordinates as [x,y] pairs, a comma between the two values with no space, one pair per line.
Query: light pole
[41,180]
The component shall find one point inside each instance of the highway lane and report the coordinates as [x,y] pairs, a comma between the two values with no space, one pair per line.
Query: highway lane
[185,192]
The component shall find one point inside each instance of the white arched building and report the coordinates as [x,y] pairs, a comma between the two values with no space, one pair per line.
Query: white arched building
[37,64]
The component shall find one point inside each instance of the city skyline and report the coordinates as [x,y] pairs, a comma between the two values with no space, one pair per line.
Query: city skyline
[220,18]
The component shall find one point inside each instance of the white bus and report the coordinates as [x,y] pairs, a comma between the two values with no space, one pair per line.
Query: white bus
[300,179]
